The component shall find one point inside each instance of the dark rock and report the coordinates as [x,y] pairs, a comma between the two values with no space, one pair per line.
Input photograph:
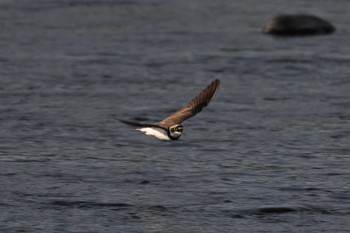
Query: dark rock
[297,25]
[145,182]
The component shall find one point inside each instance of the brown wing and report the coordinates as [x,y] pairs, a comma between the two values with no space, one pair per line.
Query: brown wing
[193,107]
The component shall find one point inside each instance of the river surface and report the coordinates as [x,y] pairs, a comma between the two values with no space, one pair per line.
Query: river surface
[271,153]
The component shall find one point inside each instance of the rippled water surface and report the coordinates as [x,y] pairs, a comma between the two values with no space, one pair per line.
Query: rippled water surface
[270,154]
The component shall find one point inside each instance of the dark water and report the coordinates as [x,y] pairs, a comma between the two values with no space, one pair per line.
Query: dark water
[270,154]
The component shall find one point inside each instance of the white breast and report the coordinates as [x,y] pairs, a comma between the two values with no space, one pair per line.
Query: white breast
[156,132]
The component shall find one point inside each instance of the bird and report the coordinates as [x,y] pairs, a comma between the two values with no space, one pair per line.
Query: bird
[171,127]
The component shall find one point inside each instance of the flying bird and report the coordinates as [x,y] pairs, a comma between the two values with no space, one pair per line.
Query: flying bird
[170,128]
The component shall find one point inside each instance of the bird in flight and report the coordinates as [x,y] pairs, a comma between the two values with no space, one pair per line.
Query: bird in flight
[170,128]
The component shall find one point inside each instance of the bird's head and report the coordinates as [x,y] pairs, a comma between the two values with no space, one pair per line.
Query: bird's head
[175,131]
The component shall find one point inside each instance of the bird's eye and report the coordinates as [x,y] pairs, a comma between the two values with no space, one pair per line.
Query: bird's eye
[176,129]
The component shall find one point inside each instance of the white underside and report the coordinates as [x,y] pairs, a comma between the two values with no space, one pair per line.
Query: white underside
[155,132]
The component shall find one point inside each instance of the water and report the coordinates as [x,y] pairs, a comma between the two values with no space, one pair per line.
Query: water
[270,154]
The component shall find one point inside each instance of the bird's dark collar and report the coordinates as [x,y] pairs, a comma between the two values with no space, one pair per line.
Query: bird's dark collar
[171,137]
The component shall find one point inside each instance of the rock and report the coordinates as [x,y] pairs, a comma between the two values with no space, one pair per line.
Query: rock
[298,25]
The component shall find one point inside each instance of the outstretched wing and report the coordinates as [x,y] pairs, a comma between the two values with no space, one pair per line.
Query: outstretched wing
[138,125]
[193,107]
